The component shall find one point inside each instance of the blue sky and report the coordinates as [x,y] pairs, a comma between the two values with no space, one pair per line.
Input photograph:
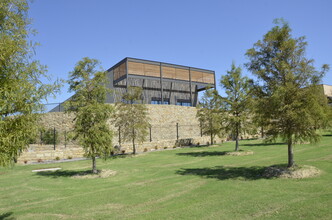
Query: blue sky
[205,34]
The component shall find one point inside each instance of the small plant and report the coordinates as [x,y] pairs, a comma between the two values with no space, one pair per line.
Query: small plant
[40,160]
[165,147]
[156,147]
[174,146]
[145,149]
[25,162]
[123,151]
[69,157]
[112,153]
[57,158]
[198,143]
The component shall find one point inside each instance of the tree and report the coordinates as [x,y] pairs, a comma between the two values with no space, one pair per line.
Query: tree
[236,105]
[208,114]
[132,117]
[289,98]
[21,91]
[91,111]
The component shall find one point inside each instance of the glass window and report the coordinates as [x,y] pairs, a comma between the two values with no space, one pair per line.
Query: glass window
[157,101]
[183,102]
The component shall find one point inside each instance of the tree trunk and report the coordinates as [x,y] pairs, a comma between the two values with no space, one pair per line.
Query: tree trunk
[211,136]
[237,140]
[290,153]
[94,167]
[134,147]
[262,132]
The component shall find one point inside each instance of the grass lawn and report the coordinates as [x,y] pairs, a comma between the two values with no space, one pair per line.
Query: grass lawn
[187,183]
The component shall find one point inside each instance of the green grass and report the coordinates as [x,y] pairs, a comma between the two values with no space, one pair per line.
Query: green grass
[188,183]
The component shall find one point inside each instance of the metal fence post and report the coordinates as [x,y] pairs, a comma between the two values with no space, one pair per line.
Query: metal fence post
[65,138]
[177,131]
[54,137]
[201,129]
[150,133]
[119,136]
[41,137]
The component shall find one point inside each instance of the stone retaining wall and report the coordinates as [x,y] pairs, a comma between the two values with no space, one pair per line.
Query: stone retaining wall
[163,118]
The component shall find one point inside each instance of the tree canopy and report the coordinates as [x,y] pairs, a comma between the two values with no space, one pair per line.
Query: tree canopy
[236,104]
[91,112]
[288,98]
[209,114]
[132,117]
[21,89]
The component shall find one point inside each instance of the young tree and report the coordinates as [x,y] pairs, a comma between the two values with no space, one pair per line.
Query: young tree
[91,112]
[289,99]
[237,104]
[132,117]
[21,91]
[209,115]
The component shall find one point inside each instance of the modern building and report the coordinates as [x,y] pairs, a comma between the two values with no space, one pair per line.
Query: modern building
[162,83]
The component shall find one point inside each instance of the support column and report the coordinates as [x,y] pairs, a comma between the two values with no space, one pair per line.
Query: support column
[161,84]
[191,98]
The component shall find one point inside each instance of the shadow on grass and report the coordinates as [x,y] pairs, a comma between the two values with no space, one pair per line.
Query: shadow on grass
[262,144]
[7,216]
[203,153]
[327,135]
[224,173]
[64,173]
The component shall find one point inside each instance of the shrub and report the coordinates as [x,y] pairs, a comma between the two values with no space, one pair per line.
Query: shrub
[145,149]
[198,143]
[174,146]
[40,160]
[69,157]
[112,153]
[156,147]
[165,147]
[57,158]
[123,151]
[25,161]
[48,136]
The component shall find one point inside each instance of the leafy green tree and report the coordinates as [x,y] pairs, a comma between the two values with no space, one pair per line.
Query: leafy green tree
[237,104]
[132,117]
[91,112]
[289,100]
[21,91]
[209,115]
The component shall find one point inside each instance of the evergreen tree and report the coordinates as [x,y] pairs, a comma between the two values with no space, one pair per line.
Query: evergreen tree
[132,117]
[289,100]
[91,112]
[21,91]
[237,104]
[209,115]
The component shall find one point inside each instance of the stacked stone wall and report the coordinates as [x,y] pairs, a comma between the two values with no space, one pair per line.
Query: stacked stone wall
[171,126]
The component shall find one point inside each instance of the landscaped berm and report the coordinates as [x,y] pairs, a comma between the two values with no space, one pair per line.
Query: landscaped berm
[186,183]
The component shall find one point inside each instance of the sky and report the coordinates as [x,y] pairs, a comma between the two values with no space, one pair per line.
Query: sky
[205,34]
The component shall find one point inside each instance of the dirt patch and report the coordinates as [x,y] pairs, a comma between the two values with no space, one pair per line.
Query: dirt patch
[297,172]
[100,174]
[239,153]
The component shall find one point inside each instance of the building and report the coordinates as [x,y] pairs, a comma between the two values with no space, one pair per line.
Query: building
[327,89]
[162,83]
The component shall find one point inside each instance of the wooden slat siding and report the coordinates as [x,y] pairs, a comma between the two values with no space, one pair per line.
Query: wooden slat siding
[116,72]
[136,68]
[169,72]
[208,78]
[196,76]
[143,69]
[122,69]
[152,70]
[182,74]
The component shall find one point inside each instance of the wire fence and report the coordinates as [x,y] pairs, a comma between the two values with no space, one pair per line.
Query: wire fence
[64,137]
